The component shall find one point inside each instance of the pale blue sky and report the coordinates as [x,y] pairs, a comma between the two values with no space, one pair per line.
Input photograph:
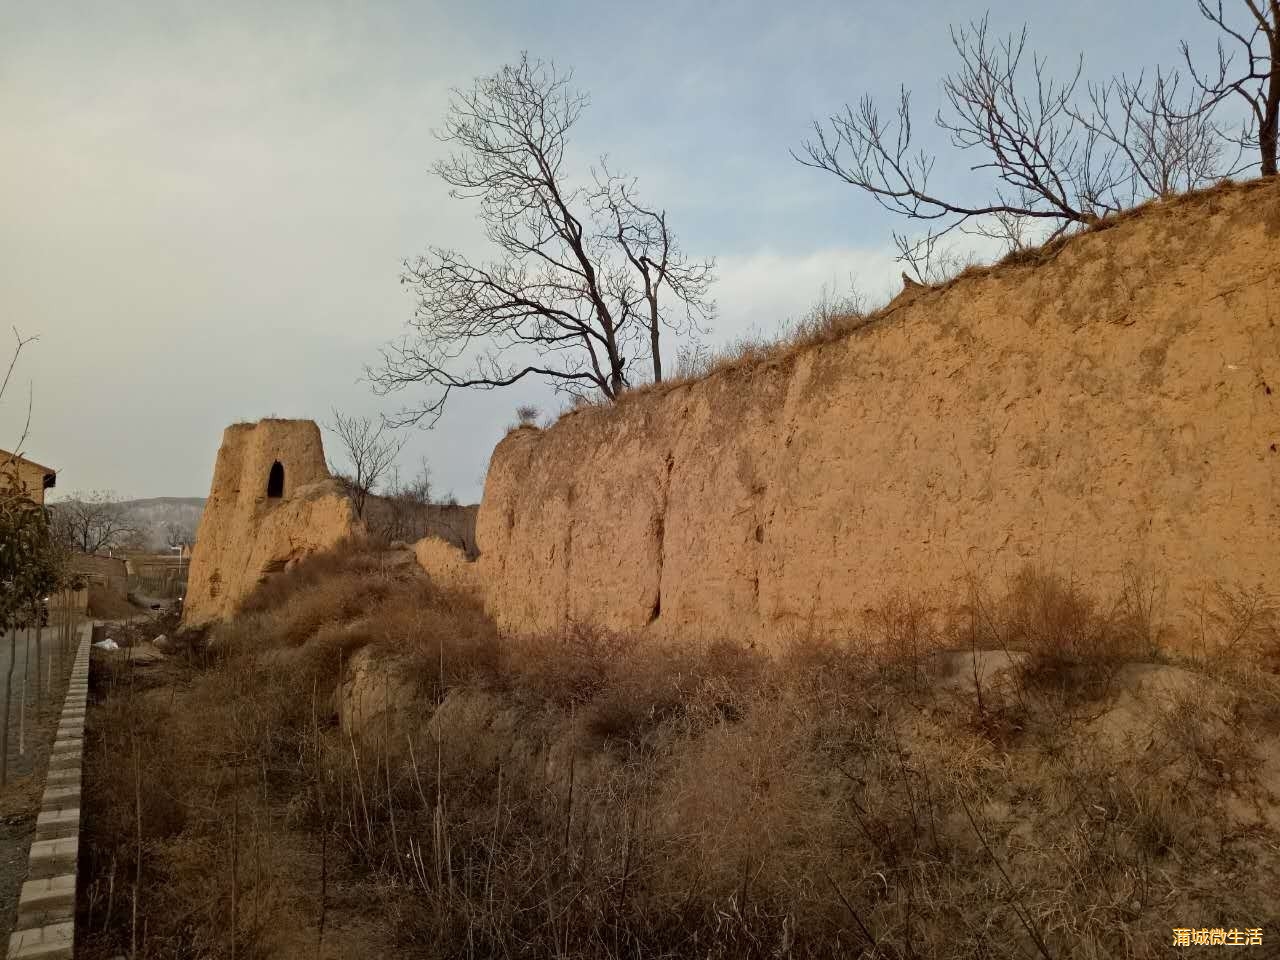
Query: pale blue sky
[203,207]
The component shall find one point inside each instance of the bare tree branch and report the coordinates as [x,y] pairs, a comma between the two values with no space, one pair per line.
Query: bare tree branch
[1169,144]
[92,522]
[575,297]
[178,534]
[1255,80]
[645,239]
[1053,160]
[370,450]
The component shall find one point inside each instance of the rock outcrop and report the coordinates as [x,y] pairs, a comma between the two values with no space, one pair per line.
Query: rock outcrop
[1118,400]
[272,502]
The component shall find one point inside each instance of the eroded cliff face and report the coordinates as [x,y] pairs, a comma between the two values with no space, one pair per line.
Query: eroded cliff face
[272,502]
[1118,402]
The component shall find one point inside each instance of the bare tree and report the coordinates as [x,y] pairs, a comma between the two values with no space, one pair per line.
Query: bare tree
[402,512]
[11,464]
[93,522]
[178,534]
[1054,162]
[1256,80]
[370,448]
[579,292]
[32,563]
[1166,138]
[644,237]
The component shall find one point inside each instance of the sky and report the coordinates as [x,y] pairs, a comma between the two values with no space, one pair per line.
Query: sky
[204,208]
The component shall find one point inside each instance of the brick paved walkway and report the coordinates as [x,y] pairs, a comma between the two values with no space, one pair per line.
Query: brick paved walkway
[45,923]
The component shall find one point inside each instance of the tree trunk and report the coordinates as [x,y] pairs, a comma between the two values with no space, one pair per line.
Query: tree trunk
[1267,133]
[1270,125]
[653,347]
[39,638]
[8,690]
[22,700]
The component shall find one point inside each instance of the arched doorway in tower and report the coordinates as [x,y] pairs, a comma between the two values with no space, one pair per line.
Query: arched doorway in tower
[275,480]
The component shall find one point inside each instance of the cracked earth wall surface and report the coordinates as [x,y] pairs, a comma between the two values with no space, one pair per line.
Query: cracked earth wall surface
[1118,402]
[244,535]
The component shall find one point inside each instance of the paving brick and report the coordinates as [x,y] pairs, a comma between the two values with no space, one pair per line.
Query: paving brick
[63,777]
[53,824]
[65,759]
[56,796]
[54,804]
[47,901]
[59,853]
[53,942]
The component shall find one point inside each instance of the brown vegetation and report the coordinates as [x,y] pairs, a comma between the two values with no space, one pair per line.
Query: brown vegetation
[833,316]
[106,605]
[1029,780]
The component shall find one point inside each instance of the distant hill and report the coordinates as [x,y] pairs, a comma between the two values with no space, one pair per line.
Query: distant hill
[153,516]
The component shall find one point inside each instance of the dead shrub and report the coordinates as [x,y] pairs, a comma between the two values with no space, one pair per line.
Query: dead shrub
[445,637]
[590,794]
[565,669]
[1240,622]
[348,557]
[1073,645]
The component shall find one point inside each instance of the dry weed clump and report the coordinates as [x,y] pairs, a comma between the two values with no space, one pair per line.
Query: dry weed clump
[830,317]
[1067,641]
[596,795]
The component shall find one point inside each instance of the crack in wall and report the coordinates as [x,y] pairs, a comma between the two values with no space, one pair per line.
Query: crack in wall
[661,535]
[568,554]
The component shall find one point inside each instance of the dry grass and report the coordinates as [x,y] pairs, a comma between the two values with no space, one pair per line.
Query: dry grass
[833,318]
[104,605]
[595,795]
